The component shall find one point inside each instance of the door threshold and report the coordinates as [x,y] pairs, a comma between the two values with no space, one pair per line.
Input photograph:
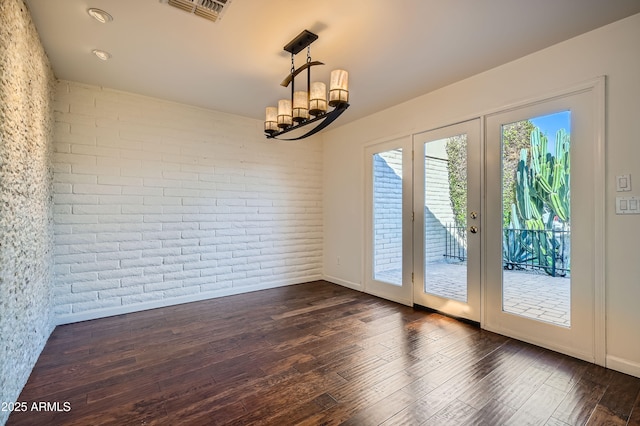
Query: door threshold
[464,320]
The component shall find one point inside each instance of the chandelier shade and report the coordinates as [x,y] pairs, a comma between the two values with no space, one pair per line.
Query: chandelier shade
[271,121]
[285,118]
[300,106]
[297,111]
[339,88]
[318,98]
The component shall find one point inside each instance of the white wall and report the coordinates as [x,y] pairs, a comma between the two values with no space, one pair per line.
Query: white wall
[611,51]
[157,203]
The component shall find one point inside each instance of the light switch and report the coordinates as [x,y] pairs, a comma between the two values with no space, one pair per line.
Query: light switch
[627,205]
[623,183]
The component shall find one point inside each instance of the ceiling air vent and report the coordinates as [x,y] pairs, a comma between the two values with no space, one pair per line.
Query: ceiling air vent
[207,9]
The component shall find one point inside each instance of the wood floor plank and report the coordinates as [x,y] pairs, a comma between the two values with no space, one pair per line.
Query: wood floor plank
[603,416]
[514,358]
[455,414]
[578,404]
[568,373]
[618,400]
[492,413]
[538,408]
[378,412]
[634,419]
[555,422]
[312,354]
[524,386]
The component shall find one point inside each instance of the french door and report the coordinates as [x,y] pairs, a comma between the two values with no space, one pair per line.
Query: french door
[422,249]
[447,206]
[388,260]
[506,229]
[544,199]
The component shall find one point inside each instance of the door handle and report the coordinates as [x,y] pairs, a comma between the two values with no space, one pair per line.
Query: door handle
[473,215]
[473,229]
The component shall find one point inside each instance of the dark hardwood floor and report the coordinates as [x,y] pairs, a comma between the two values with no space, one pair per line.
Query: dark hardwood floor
[312,354]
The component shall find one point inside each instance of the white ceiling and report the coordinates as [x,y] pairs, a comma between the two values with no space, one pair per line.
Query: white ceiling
[394,50]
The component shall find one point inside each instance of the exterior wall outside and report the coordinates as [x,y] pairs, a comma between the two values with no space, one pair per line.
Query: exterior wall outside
[610,51]
[387,212]
[158,203]
[437,209]
[26,97]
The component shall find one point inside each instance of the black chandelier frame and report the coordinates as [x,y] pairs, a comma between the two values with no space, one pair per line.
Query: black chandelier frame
[295,46]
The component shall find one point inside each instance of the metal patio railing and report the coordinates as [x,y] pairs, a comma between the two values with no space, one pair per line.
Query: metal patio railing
[525,249]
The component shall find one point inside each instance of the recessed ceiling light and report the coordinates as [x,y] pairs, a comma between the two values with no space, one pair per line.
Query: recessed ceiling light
[99,15]
[101,54]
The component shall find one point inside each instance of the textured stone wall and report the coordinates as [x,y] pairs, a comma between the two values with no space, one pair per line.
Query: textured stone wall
[26,98]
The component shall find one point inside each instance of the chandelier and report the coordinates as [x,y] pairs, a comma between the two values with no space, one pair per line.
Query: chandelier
[310,106]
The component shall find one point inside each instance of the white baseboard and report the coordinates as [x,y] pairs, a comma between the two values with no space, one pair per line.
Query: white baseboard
[119,310]
[344,283]
[623,365]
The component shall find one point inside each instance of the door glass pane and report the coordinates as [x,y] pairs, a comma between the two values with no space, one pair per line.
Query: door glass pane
[387,217]
[536,218]
[445,213]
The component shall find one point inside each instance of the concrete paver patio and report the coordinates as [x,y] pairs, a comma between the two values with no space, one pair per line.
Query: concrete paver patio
[530,294]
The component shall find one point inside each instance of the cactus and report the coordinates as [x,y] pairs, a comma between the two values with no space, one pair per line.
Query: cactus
[516,244]
[542,182]
[550,174]
[529,207]
[542,194]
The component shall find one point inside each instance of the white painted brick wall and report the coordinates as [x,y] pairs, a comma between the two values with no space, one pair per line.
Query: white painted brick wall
[158,203]
[388,211]
[438,210]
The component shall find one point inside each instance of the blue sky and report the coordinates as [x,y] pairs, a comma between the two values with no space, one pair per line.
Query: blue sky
[550,124]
